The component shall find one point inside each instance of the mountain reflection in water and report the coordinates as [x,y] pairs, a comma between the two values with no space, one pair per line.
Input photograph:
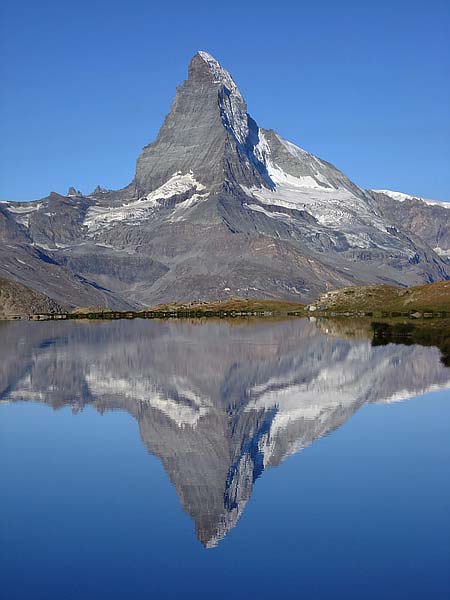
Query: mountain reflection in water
[218,402]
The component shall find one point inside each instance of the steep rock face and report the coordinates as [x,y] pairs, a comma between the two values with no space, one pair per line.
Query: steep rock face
[61,223]
[207,132]
[262,392]
[220,207]
[11,229]
[428,220]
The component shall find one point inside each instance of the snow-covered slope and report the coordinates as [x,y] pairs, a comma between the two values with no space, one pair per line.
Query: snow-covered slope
[401,197]
[179,192]
[343,211]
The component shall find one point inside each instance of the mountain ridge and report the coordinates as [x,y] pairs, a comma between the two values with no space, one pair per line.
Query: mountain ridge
[219,207]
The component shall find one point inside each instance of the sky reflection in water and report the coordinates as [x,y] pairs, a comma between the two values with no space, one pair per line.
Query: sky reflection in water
[360,513]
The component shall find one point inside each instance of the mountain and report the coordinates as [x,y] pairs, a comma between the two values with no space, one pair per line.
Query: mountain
[219,207]
[262,393]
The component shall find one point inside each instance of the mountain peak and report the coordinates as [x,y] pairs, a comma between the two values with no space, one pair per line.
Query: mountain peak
[207,132]
[204,68]
[219,74]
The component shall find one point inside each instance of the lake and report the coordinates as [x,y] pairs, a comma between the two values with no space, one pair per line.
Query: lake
[221,459]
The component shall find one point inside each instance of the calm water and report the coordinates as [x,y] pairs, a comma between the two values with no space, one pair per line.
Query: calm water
[150,459]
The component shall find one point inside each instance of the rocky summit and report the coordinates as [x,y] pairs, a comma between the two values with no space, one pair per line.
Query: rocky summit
[220,208]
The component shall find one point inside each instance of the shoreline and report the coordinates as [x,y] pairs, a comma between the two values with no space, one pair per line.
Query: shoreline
[109,315]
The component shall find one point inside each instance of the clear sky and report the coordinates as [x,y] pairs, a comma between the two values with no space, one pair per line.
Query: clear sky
[85,85]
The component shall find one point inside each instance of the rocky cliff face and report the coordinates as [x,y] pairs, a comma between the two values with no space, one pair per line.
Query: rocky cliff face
[207,132]
[220,207]
[427,219]
[262,392]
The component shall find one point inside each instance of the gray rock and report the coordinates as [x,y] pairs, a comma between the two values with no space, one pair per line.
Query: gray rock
[73,192]
[100,190]
[430,222]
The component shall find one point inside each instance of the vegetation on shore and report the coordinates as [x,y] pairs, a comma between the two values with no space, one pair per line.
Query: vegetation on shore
[386,300]
[233,305]
[375,301]
[227,308]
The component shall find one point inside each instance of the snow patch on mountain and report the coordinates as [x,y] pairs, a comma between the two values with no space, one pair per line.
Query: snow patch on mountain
[22,214]
[24,209]
[178,184]
[401,197]
[272,214]
[134,213]
[442,251]
[316,181]
[337,209]
[331,202]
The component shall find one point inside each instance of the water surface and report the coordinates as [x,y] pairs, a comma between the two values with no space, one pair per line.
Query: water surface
[155,479]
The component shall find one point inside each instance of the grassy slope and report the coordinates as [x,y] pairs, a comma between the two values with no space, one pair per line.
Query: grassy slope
[17,299]
[431,297]
[232,305]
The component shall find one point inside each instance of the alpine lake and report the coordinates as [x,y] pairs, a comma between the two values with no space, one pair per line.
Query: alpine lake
[224,458]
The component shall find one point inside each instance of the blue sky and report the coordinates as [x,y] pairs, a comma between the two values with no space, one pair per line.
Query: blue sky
[85,85]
